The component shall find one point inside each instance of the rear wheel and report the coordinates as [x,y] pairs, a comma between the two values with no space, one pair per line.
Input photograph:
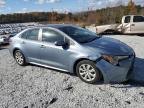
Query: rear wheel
[19,57]
[87,71]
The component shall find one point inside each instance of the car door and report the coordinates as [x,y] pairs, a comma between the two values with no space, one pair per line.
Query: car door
[126,24]
[52,55]
[138,24]
[30,44]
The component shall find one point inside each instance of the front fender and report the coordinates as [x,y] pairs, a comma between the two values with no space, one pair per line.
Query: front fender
[77,59]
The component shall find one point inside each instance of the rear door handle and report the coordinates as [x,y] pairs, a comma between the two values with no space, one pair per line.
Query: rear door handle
[43,46]
[132,24]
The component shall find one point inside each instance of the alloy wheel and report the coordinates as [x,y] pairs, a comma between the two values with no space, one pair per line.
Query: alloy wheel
[19,57]
[87,72]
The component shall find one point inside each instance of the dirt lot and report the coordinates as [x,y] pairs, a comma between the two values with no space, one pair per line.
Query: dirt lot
[37,87]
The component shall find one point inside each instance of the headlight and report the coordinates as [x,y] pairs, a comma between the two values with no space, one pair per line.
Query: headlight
[114,59]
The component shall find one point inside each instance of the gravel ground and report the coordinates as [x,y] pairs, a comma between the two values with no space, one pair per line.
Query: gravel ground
[37,87]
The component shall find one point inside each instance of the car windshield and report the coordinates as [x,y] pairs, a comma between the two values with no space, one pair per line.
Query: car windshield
[79,34]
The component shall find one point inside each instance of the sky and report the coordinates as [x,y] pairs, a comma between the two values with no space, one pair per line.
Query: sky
[22,6]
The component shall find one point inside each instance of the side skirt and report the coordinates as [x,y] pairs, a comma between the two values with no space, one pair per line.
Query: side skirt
[51,67]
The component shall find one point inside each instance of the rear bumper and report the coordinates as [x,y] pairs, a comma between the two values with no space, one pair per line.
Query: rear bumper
[116,74]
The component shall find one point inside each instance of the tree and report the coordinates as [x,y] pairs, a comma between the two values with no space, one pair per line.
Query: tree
[131,7]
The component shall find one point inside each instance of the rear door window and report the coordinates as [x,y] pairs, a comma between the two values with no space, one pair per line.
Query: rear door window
[138,19]
[31,34]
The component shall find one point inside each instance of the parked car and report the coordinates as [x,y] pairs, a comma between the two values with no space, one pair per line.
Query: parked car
[76,50]
[11,36]
[4,40]
[1,40]
[131,24]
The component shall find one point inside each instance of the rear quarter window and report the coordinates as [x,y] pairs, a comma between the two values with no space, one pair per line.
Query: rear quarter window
[24,35]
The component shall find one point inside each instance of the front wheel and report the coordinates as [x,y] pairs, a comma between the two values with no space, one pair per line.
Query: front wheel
[19,57]
[87,71]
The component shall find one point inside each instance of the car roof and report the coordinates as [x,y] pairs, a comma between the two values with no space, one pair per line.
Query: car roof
[57,26]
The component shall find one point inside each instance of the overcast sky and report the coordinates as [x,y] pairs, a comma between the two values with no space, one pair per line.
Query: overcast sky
[21,6]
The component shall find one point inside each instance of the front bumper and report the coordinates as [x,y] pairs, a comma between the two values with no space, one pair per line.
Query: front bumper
[116,74]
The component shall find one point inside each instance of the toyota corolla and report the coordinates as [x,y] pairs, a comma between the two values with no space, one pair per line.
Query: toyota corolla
[76,50]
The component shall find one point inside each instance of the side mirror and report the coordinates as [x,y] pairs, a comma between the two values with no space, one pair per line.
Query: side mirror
[60,43]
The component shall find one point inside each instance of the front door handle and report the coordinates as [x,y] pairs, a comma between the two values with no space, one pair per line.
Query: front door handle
[43,46]
[132,24]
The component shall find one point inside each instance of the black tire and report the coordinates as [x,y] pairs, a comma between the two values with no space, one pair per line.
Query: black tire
[22,57]
[96,74]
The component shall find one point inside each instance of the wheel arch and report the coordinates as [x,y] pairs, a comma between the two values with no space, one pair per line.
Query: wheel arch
[76,62]
[81,59]
[24,58]
[15,49]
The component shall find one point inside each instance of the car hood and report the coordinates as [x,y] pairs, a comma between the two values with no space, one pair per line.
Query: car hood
[105,45]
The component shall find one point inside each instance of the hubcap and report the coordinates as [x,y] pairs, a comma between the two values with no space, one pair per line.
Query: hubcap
[19,58]
[87,72]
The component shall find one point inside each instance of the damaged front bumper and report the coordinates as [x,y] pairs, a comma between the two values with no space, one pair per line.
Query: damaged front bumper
[116,74]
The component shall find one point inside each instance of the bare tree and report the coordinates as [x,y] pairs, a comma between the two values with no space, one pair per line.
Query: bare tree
[131,7]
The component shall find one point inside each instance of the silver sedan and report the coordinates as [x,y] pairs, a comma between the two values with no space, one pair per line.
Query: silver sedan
[76,50]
